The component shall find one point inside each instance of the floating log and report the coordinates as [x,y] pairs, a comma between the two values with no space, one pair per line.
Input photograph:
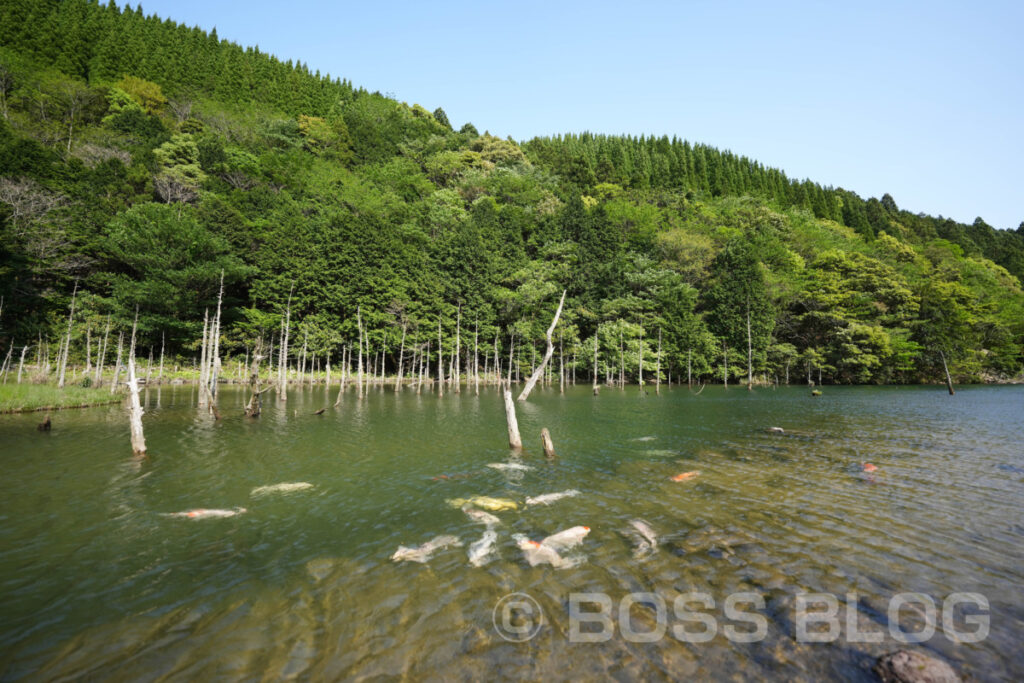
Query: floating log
[320,412]
[513,426]
[549,447]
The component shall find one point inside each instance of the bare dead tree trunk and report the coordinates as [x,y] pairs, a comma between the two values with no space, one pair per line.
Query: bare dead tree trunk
[134,405]
[657,370]
[214,359]
[750,353]
[949,380]
[689,368]
[640,360]
[401,359]
[597,342]
[511,355]
[622,363]
[456,377]
[282,361]
[476,357]
[88,348]
[21,362]
[67,342]
[255,405]
[204,361]
[510,418]
[7,361]
[561,365]
[117,364]
[359,324]
[547,353]
[440,360]
[545,439]
[163,344]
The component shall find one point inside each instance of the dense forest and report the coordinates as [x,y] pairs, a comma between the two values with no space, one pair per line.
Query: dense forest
[142,161]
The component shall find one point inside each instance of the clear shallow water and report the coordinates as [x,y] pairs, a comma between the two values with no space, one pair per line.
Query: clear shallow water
[96,582]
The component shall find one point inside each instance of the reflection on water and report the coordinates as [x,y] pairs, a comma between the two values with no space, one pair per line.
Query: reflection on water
[97,581]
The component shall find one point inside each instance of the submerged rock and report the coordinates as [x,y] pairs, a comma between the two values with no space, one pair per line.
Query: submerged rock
[905,666]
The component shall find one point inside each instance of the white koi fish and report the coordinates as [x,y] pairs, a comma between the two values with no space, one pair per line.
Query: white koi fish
[480,552]
[549,498]
[569,538]
[510,466]
[645,537]
[422,553]
[202,513]
[286,487]
[480,517]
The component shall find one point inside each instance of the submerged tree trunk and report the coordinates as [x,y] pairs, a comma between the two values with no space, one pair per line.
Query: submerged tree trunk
[282,358]
[547,353]
[949,380]
[622,363]
[255,405]
[640,361]
[134,406]
[657,367]
[510,418]
[456,379]
[203,361]
[545,439]
[750,353]
[401,359]
[725,366]
[440,360]
[359,325]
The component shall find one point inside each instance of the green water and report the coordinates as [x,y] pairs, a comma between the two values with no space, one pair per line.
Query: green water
[96,582]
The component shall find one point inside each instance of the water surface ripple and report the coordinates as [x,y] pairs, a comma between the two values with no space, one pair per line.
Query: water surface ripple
[96,581]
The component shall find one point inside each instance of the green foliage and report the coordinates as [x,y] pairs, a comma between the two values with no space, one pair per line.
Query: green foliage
[299,185]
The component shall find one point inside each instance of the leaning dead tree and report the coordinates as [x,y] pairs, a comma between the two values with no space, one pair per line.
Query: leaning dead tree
[539,370]
[134,405]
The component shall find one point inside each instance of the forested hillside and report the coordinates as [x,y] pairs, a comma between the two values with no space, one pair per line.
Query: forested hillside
[141,159]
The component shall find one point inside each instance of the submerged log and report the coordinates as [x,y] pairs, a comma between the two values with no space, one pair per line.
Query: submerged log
[320,412]
[513,426]
[549,447]
[45,425]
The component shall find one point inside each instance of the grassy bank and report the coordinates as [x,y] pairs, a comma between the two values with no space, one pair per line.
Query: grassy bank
[23,398]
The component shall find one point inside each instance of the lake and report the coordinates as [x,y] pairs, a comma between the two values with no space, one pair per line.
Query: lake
[99,581]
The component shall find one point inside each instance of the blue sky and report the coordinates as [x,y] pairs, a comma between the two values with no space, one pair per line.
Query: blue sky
[922,100]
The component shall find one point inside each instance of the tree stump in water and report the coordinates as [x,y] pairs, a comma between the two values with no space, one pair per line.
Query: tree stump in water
[549,447]
[904,666]
[45,425]
[513,426]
